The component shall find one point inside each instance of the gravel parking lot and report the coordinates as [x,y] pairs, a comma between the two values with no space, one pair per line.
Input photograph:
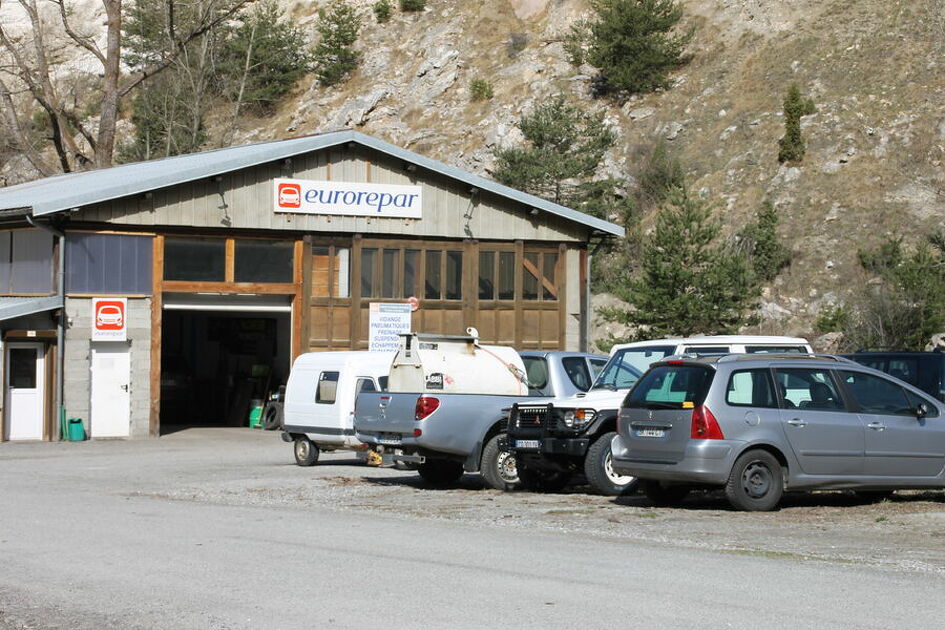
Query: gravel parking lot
[197,475]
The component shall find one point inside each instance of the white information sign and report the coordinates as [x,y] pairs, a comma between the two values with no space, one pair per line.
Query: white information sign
[386,323]
[109,319]
[307,196]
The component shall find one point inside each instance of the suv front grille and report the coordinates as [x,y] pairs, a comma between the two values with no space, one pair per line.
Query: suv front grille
[534,417]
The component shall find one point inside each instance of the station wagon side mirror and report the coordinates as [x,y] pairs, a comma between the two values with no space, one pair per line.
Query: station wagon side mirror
[921,410]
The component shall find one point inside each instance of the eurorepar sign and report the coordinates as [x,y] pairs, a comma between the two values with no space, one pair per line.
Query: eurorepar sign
[109,319]
[343,198]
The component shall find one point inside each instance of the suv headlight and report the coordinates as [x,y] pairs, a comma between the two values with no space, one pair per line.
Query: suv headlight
[578,418]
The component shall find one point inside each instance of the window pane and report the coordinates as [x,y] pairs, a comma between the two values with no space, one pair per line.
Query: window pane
[808,389]
[904,369]
[506,275]
[536,370]
[321,271]
[576,369]
[342,273]
[263,261]
[22,372]
[671,387]
[411,272]
[366,385]
[389,273]
[530,273]
[550,284]
[432,272]
[195,259]
[368,259]
[775,350]
[327,388]
[454,275]
[878,395]
[108,263]
[751,388]
[32,267]
[486,275]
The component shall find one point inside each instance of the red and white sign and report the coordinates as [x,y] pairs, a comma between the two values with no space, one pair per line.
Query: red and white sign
[414,303]
[109,319]
[305,196]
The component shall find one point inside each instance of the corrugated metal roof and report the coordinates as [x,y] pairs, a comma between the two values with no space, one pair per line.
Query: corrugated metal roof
[71,191]
[11,307]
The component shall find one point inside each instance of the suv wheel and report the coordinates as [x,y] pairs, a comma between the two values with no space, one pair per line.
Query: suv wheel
[440,472]
[538,480]
[664,496]
[756,482]
[599,469]
[306,453]
[498,464]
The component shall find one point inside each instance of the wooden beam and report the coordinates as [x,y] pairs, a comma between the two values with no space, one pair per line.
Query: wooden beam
[229,273]
[268,288]
[298,301]
[157,276]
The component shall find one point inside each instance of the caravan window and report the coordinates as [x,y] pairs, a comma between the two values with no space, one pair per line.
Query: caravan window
[327,388]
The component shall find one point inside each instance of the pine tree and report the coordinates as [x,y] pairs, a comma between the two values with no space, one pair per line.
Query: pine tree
[690,283]
[761,241]
[791,146]
[631,43]
[564,147]
[335,58]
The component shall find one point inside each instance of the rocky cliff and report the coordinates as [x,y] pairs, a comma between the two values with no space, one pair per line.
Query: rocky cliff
[874,68]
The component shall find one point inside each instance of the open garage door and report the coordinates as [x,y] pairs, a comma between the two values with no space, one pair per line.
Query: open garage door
[220,355]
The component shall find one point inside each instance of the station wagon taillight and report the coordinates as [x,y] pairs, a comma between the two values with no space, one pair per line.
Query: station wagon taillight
[704,425]
[425,406]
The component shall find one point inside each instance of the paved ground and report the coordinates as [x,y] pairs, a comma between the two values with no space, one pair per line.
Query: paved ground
[219,529]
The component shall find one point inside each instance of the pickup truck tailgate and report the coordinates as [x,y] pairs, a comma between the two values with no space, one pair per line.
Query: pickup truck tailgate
[385,412]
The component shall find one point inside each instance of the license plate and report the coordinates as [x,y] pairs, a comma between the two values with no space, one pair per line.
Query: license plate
[389,439]
[651,432]
[526,443]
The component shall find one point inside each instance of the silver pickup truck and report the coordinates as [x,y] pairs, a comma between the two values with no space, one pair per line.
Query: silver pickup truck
[448,400]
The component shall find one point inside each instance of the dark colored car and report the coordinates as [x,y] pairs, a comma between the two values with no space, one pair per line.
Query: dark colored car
[925,370]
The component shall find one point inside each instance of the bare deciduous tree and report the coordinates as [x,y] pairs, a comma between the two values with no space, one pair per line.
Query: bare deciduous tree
[35,67]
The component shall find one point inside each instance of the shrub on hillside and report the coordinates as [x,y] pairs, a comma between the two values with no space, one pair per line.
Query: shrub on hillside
[382,10]
[480,89]
[413,5]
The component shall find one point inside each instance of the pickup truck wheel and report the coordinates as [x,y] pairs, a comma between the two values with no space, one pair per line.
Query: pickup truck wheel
[440,472]
[498,464]
[306,453]
[664,496]
[537,480]
[599,470]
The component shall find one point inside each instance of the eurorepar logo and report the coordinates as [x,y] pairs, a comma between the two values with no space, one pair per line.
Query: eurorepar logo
[290,196]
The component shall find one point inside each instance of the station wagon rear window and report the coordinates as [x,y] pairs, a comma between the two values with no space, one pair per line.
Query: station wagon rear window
[671,387]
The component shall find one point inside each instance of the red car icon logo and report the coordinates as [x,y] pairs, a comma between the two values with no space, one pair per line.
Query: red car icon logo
[109,317]
[290,196]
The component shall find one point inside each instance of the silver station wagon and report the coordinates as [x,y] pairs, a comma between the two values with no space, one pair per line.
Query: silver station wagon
[760,425]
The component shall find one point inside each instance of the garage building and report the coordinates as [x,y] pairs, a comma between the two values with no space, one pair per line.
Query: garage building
[172,293]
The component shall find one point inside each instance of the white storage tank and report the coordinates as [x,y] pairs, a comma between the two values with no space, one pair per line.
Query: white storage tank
[456,364]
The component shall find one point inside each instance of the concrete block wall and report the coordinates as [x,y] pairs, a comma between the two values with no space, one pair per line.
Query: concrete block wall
[77,394]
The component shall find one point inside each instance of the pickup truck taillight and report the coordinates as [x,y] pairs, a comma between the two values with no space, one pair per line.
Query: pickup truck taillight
[425,406]
[704,425]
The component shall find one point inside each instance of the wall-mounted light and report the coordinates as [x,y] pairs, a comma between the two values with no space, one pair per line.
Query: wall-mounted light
[410,168]
[148,195]
[473,191]
[533,212]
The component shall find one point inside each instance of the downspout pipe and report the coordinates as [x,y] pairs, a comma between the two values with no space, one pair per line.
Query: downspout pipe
[61,324]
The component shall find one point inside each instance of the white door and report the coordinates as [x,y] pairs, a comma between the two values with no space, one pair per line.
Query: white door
[111,396]
[25,370]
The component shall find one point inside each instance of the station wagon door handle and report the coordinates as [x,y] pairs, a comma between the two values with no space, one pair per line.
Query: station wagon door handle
[797,422]
[876,426]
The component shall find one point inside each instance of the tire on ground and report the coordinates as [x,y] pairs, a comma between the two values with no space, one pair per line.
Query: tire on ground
[306,452]
[440,472]
[756,482]
[272,416]
[599,470]
[498,464]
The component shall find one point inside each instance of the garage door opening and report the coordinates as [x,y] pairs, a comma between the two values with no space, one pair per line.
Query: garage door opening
[216,365]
